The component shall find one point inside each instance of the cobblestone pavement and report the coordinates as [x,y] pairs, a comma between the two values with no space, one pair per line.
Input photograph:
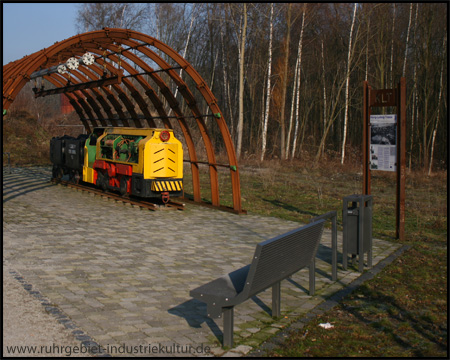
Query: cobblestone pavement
[122,275]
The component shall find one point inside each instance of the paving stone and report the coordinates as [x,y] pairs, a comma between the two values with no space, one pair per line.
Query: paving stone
[124,274]
[253,330]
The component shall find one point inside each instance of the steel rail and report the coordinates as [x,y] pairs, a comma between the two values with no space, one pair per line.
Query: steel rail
[129,200]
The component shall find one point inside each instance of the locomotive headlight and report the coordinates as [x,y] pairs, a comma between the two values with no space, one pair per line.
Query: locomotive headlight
[164,135]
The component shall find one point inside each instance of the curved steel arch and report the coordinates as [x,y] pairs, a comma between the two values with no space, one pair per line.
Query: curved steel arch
[119,53]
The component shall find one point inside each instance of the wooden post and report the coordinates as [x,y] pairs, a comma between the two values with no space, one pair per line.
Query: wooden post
[379,98]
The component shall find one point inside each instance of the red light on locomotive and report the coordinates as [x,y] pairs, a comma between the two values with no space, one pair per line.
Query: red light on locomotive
[164,136]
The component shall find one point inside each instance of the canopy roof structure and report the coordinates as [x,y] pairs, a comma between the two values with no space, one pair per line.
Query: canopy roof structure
[120,77]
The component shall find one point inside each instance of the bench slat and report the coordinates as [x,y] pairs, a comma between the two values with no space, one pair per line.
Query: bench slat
[280,257]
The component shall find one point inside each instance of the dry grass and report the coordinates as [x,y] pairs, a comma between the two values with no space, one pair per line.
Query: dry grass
[403,311]
[26,140]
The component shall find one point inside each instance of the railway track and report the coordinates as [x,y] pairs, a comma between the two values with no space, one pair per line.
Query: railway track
[171,205]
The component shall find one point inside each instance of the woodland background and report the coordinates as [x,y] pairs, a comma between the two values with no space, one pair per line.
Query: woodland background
[289,77]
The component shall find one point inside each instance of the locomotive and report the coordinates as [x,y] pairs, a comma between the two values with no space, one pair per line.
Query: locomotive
[145,162]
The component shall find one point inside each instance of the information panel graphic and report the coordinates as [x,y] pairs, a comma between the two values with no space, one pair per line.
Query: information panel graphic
[383,142]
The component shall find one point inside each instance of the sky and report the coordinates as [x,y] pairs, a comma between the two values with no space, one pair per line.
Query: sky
[30,27]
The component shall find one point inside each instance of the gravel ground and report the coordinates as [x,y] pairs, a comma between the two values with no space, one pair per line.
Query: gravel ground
[26,323]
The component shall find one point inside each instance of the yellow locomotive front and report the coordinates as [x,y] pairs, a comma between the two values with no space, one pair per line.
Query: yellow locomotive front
[142,162]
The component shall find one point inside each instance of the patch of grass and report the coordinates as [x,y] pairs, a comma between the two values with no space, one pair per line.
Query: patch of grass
[400,313]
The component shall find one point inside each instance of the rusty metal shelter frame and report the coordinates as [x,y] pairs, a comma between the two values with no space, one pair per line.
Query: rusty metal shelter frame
[105,94]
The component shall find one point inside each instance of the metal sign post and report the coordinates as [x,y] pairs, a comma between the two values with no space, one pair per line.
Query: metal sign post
[385,135]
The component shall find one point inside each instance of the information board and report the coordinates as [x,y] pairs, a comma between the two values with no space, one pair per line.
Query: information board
[383,142]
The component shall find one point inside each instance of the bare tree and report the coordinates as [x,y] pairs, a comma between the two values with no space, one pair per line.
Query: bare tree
[431,50]
[407,40]
[226,81]
[186,47]
[291,116]
[96,16]
[391,83]
[367,49]
[414,95]
[269,72]
[320,84]
[240,127]
[297,95]
[436,124]
[347,81]
[285,82]
[324,95]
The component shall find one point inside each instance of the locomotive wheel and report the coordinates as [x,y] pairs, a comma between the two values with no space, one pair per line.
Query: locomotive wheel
[102,181]
[77,177]
[57,172]
[105,182]
[74,177]
[98,182]
[124,185]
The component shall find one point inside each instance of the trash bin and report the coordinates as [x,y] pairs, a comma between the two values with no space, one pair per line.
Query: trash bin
[357,226]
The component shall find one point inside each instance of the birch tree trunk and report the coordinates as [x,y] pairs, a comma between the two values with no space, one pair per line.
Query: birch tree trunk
[407,41]
[240,127]
[283,154]
[324,95]
[367,50]
[413,114]
[211,84]
[415,100]
[438,109]
[226,83]
[186,46]
[268,92]
[392,47]
[297,95]
[347,84]
[291,116]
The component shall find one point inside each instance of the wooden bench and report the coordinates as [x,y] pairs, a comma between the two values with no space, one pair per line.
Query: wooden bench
[273,261]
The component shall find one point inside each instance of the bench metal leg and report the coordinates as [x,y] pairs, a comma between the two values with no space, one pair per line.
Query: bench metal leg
[334,248]
[312,277]
[344,237]
[228,325]
[276,299]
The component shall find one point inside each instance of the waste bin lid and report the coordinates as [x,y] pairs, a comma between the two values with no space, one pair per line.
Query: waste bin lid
[357,197]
